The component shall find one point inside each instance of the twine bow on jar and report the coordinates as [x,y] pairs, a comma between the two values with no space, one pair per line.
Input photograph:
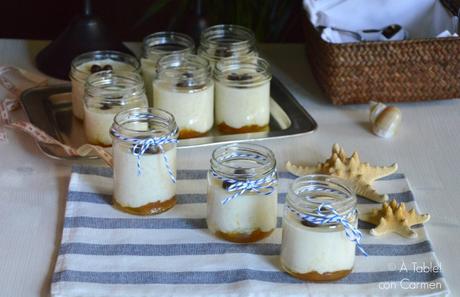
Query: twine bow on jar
[140,146]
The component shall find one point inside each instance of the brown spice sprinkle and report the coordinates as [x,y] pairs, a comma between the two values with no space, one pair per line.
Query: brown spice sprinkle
[256,235]
[148,209]
[225,129]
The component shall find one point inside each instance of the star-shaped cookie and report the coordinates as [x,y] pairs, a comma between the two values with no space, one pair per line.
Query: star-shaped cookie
[393,217]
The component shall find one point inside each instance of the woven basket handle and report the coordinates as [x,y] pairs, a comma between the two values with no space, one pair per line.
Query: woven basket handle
[452,5]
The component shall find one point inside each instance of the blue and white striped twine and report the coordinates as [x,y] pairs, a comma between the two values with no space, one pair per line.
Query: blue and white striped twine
[140,146]
[326,214]
[263,185]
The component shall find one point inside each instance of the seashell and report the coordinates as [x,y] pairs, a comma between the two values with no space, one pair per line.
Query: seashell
[385,120]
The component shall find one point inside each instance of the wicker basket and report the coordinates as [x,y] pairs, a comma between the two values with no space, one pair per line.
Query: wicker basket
[392,71]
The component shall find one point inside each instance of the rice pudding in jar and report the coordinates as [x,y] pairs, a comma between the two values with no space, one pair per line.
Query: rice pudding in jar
[225,41]
[85,64]
[157,45]
[144,160]
[184,88]
[106,94]
[242,95]
[242,193]
[315,245]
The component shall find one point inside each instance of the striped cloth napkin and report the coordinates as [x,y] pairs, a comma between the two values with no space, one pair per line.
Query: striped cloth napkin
[105,252]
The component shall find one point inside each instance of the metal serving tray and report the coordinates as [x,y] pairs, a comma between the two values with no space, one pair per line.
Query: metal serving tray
[50,109]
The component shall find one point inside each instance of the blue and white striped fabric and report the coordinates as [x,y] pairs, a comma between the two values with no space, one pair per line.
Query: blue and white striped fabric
[105,252]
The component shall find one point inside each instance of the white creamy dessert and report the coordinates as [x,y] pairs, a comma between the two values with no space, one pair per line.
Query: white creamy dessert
[99,119]
[242,96]
[153,190]
[97,125]
[106,94]
[315,253]
[144,160]
[246,218]
[78,83]
[156,46]
[238,108]
[193,109]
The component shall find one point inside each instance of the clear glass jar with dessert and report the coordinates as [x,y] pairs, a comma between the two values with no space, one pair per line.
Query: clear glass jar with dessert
[85,64]
[144,160]
[242,193]
[242,95]
[224,41]
[319,229]
[157,45]
[106,94]
[184,87]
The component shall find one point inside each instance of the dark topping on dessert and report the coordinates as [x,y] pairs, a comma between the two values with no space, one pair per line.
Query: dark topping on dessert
[238,77]
[150,151]
[308,223]
[107,67]
[226,185]
[95,68]
[323,209]
[223,52]
[183,84]
[105,106]
[187,75]
[187,82]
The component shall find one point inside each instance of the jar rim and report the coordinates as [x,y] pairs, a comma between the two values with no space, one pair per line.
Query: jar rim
[166,37]
[307,193]
[225,40]
[189,69]
[114,86]
[158,116]
[232,71]
[214,35]
[261,159]
[101,55]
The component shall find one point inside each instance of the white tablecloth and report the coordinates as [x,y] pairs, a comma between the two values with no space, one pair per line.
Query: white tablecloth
[33,187]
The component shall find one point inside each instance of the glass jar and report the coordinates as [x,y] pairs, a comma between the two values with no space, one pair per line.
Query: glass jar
[242,96]
[242,193]
[224,41]
[106,94]
[157,45]
[144,160]
[313,248]
[85,64]
[184,88]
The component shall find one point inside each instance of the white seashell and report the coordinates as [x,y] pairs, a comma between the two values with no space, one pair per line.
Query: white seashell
[385,120]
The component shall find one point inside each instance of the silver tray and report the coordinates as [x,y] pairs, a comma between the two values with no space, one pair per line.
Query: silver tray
[50,109]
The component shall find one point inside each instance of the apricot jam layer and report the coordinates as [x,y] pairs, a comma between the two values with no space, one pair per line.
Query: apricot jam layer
[148,209]
[256,235]
[188,133]
[224,128]
[314,276]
